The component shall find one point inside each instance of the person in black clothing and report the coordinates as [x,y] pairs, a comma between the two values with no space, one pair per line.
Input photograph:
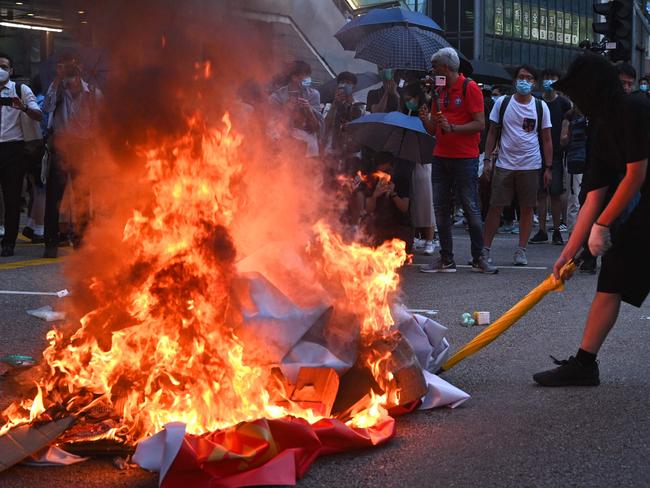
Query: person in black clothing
[386,98]
[387,200]
[619,228]
[557,106]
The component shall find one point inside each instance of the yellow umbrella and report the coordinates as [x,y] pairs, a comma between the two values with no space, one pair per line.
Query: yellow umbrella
[511,316]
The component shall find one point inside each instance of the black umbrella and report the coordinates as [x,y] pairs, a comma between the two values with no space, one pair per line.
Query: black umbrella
[407,48]
[488,72]
[379,18]
[364,80]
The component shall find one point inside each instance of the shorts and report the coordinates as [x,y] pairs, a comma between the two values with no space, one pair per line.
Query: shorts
[557,181]
[625,268]
[506,183]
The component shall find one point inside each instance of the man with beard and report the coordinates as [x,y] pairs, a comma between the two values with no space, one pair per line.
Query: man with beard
[617,229]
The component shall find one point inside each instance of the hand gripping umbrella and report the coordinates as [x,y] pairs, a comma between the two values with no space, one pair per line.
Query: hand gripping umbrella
[509,318]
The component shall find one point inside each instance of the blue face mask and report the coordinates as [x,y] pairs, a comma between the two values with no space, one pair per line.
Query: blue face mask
[643,87]
[306,82]
[411,105]
[548,85]
[524,87]
[347,88]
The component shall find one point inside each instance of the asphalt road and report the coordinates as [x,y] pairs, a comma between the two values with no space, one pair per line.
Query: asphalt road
[510,433]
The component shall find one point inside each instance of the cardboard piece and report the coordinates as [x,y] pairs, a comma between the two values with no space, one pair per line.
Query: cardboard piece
[316,388]
[24,440]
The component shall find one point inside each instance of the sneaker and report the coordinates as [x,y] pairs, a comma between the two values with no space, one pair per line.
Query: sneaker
[515,229]
[505,229]
[481,265]
[589,265]
[570,372]
[519,258]
[460,223]
[2,230]
[540,238]
[535,219]
[563,227]
[439,266]
[557,238]
[418,243]
[429,248]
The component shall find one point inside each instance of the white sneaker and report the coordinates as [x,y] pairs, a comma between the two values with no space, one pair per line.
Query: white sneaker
[519,258]
[429,248]
[2,230]
[486,255]
[418,243]
[535,219]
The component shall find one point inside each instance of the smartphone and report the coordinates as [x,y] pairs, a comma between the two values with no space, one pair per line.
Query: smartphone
[441,80]
[294,93]
[5,101]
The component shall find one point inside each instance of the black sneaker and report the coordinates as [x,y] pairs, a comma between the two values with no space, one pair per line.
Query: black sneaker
[557,238]
[570,372]
[481,265]
[51,251]
[441,265]
[589,265]
[540,238]
[7,251]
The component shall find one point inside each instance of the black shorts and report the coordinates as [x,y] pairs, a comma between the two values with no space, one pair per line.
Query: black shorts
[626,268]
[557,182]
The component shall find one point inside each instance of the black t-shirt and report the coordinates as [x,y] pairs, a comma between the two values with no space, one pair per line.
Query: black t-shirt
[622,138]
[557,108]
[387,215]
[375,95]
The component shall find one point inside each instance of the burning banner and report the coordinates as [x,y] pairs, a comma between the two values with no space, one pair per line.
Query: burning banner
[225,362]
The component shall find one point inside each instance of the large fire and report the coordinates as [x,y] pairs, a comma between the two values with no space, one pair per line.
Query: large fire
[162,344]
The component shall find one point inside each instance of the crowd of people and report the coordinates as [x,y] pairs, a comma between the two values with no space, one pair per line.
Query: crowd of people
[42,133]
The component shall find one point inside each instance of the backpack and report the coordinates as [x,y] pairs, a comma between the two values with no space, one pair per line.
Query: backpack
[576,153]
[540,114]
[32,132]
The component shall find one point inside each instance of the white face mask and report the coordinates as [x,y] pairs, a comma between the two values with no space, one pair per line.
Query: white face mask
[4,75]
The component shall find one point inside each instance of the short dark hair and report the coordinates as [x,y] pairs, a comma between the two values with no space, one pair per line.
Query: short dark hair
[551,73]
[6,56]
[528,68]
[644,78]
[626,69]
[346,76]
[414,90]
[299,67]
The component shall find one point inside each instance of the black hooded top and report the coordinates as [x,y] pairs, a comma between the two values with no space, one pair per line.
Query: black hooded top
[622,121]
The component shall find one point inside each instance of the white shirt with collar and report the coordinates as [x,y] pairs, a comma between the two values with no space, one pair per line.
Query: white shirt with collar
[10,128]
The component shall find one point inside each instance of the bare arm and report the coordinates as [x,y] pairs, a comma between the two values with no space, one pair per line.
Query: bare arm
[635,174]
[476,125]
[490,143]
[565,135]
[547,146]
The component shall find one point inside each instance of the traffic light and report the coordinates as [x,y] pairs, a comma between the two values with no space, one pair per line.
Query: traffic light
[617,27]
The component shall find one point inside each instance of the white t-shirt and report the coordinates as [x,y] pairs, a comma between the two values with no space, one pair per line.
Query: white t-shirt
[520,147]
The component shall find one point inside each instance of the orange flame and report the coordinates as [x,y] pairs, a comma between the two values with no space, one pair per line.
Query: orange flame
[164,346]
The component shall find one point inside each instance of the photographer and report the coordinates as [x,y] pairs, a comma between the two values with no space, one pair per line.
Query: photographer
[341,111]
[386,98]
[301,105]
[71,103]
[12,148]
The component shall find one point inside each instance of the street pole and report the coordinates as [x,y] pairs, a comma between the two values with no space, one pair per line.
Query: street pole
[478,29]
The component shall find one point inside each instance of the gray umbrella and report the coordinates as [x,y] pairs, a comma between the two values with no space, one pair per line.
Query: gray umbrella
[401,47]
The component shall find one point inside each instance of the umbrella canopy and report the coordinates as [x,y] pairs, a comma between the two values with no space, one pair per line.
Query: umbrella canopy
[509,318]
[364,80]
[399,134]
[490,72]
[358,28]
[402,47]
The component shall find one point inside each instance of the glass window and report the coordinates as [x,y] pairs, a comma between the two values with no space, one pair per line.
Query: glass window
[507,18]
[498,50]
[516,20]
[516,53]
[467,47]
[582,34]
[525,53]
[525,20]
[498,17]
[542,61]
[575,29]
[543,32]
[467,15]
[507,52]
[559,26]
[534,22]
[534,54]
[489,16]
[488,48]
[553,25]
[451,13]
[438,12]
[568,22]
